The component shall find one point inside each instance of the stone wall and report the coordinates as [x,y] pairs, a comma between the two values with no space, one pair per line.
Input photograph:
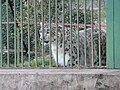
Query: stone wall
[58,79]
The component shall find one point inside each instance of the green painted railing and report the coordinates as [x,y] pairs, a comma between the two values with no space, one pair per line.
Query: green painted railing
[27,38]
[0,34]
[113,34]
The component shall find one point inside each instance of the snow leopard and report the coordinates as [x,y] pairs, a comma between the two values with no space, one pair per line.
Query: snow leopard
[71,44]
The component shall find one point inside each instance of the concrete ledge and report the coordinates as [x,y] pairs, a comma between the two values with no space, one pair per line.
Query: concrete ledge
[59,79]
[61,71]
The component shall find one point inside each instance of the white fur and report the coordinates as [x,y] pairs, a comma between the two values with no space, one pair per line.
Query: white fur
[60,55]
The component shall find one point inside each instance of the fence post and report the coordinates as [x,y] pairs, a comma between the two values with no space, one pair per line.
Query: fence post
[113,34]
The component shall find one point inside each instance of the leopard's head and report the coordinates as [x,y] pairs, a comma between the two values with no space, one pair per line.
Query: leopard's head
[50,34]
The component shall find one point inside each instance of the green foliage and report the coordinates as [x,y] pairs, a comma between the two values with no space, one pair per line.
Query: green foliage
[39,62]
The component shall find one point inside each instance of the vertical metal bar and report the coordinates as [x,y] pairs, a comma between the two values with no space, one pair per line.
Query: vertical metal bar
[0,33]
[28,32]
[70,1]
[92,32]
[18,48]
[7,11]
[78,48]
[15,50]
[99,28]
[110,18]
[21,15]
[63,29]
[50,62]
[116,33]
[35,25]
[42,10]
[56,21]
[85,32]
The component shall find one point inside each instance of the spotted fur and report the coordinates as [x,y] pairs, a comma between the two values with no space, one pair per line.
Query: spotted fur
[72,46]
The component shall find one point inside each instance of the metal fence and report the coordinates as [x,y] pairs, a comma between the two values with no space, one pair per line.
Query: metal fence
[53,33]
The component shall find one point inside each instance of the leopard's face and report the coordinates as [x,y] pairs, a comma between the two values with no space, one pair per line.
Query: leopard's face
[51,35]
[44,33]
